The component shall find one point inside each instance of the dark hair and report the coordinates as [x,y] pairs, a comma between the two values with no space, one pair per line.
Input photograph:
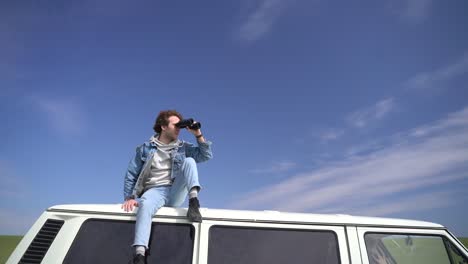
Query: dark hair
[163,119]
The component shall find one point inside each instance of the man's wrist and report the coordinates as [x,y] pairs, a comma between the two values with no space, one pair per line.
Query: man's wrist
[199,136]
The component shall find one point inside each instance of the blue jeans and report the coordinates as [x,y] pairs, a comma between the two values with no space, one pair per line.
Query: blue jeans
[157,197]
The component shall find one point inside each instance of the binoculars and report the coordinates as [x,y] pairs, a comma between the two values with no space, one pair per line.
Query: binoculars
[188,123]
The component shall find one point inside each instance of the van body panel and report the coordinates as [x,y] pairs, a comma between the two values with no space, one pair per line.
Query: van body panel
[225,234]
[353,244]
[249,216]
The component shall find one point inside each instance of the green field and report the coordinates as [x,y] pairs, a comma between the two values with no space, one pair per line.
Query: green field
[464,241]
[8,244]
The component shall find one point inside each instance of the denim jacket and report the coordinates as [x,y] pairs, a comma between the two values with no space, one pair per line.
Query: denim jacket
[139,167]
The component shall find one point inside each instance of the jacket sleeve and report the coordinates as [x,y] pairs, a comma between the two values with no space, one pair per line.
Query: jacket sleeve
[199,153]
[133,171]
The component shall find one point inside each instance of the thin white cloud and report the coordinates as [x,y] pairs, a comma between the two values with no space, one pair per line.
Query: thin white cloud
[64,115]
[457,120]
[282,166]
[416,11]
[363,148]
[411,203]
[261,20]
[331,134]
[366,184]
[427,80]
[363,117]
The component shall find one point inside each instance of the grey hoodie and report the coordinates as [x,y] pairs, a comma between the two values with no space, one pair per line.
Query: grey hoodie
[161,164]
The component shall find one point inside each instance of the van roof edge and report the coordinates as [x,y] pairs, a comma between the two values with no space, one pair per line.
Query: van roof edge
[244,215]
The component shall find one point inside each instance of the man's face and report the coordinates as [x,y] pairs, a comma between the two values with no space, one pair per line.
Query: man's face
[170,131]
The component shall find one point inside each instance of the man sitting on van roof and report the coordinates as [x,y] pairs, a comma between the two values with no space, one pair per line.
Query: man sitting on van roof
[162,173]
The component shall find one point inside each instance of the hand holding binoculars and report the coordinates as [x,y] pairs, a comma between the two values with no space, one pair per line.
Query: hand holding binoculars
[188,123]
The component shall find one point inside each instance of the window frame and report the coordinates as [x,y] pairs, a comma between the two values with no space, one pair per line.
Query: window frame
[338,231]
[443,234]
[76,223]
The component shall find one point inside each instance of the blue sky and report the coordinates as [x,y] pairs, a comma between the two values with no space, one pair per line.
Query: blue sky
[321,106]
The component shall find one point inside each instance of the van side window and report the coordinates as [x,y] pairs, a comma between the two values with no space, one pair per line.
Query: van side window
[109,241]
[252,245]
[455,254]
[407,249]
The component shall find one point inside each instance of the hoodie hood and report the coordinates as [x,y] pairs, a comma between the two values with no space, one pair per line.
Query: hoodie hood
[163,146]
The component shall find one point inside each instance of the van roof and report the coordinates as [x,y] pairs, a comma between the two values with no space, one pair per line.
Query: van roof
[251,216]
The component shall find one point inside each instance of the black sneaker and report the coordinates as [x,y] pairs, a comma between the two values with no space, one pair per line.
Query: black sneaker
[193,212]
[138,259]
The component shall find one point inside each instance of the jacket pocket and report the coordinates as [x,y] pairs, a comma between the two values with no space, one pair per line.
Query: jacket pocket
[178,160]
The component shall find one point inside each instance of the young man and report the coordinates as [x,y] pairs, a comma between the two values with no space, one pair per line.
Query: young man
[162,173]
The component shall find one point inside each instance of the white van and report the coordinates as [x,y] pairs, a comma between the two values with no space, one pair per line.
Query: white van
[80,234]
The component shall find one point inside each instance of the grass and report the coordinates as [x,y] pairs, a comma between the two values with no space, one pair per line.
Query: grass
[464,240]
[8,244]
